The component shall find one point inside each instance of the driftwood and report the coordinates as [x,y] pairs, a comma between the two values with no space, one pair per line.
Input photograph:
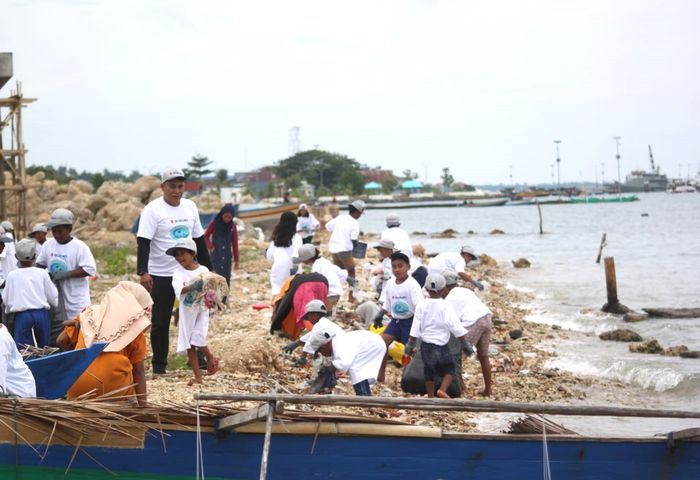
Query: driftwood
[530,425]
[603,243]
[673,312]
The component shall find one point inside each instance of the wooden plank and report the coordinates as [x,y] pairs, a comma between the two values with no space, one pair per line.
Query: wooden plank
[253,415]
[688,433]
[673,312]
[440,404]
[12,101]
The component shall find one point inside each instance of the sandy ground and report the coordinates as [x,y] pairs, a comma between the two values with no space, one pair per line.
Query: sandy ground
[252,358]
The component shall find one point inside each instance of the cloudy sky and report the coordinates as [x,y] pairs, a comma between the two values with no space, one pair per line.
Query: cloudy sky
[476,86]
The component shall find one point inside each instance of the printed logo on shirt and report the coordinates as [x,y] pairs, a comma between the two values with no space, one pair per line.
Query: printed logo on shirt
[57,265]
[179,232]
[400,308]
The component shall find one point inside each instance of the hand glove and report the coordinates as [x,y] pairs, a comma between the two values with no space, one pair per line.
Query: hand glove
[378,319]
[409,348]
[59,276]
[291,346]
[301,361]
[478,284]
[197,285]
[467,347]
[352,282]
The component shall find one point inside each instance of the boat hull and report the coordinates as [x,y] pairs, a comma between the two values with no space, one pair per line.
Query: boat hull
[237,456]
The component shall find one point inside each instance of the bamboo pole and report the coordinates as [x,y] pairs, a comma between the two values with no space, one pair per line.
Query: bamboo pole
[268,436]
[414,403]
[613,305]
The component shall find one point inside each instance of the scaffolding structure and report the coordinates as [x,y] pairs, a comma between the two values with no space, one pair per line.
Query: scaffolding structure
[13,184]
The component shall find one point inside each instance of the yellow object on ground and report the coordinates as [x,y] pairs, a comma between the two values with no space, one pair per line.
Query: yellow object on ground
[395,347]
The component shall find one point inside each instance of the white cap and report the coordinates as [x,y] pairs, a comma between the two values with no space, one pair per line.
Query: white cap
[39,227]
[393,220]
[468,250]
[25,250]
[315,306]
[7,226]
[183,243]
[171,174]
[358,205]
[306,252]
[385,244]
[60,216]
[450,276]
[434,282]
[320,336]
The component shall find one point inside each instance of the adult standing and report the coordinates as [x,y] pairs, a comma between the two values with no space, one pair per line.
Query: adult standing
[163,222]
[345,230]
[221,236]
[394,232]
[69,262]
[307,224]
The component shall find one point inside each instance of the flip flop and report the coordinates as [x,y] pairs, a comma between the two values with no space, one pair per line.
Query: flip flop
[214,367]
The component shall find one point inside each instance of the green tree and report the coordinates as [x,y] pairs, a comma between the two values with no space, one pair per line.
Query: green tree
[389,184]
[334,171]
[198,167]
[447,178]
[409,175]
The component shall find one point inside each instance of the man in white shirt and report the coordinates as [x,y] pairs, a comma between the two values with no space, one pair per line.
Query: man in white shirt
[7,253]
[15,376]
[476,318]
[456,261]
[163,222]
[345,230]
[69,262]
[394,232]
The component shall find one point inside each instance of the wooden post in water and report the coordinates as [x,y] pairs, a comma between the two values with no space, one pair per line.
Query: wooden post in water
[613,305]
[603,243]
[539,211]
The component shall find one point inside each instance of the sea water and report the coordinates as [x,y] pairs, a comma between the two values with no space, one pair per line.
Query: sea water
[656,245]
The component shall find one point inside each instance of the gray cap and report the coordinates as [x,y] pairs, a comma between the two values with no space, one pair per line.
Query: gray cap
[359,205]
[39,227]
[306,252]
[184,244]
[25,250]
[434,282]
[468,250]
[393,220]
[5,239]
[171,174]
[7,226]
[60,216]
[450,276]
[320,335]
[385,244]
[315,306]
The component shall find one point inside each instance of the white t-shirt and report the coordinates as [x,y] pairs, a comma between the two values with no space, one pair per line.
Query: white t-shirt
[447,261]
[360,353]
[37,248]
[466,305]
[29,288]
[164,225]
[281,259]
[334,274]
[434,321]
[323,322]
[306,226]
[400,299]
[402,242]
[8,261]
[193,324]
[64,258]
[344,229]
[15,376]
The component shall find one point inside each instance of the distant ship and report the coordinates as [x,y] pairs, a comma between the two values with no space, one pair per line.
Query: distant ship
[642,181]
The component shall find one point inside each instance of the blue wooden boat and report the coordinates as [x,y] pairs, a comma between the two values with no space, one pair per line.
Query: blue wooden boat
[339,448]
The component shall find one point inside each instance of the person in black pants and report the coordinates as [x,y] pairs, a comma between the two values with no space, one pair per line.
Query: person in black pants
[163,222]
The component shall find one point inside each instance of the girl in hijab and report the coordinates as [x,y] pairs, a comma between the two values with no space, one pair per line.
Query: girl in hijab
[307,224]
[222,241]
[283,247]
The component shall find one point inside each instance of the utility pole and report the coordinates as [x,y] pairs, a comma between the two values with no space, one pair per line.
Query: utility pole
[617,157]
[511,175]
[557,142]
[551,168]
[602,174]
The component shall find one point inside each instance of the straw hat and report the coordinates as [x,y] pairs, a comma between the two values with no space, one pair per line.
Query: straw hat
[123,313]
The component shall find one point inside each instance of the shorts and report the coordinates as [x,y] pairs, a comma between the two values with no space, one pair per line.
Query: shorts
[400,329]
[479,335]
[437,361]
[344,260]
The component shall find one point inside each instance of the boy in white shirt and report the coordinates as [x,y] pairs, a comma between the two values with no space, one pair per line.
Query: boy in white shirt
[309,255]
[432,324]
[15,376]
[29,293]
[398,235]
[69,262]
[457,262]
[345,231]
[38,234]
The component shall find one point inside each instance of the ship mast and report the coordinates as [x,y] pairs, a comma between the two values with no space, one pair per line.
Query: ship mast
[651,159]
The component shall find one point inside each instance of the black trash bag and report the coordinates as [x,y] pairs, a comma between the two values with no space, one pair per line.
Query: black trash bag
[413,380]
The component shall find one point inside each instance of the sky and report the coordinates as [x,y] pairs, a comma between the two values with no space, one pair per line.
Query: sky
[480,87]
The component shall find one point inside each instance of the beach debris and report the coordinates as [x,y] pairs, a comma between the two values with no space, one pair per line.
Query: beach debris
[30,351]
[497,231]
[214,291]
[515,334]
[521,263]
[673,312]
[621,335]
[650,346]
[675,351]
[690,354]
[487,260]
[634,317]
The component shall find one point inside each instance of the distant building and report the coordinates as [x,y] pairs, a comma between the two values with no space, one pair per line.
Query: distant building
[376,175]
[257,180]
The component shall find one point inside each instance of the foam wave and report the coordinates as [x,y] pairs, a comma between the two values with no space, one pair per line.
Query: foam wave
[659,379]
